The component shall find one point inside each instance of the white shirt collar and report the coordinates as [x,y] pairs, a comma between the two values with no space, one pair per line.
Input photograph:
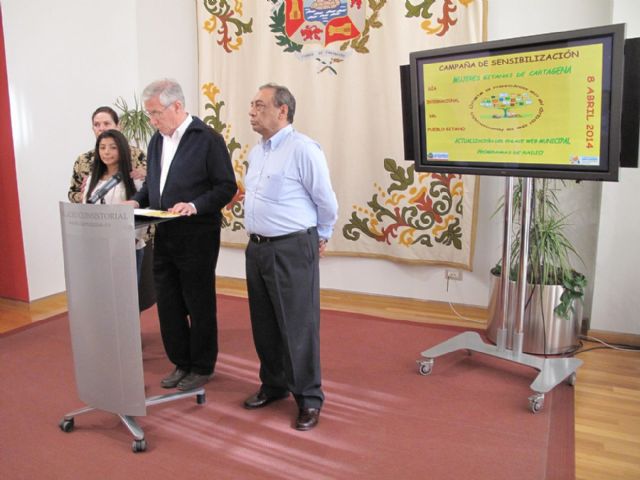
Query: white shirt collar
[275,140]
[177,134]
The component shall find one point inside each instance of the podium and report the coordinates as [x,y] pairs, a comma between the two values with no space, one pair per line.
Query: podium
[102,293]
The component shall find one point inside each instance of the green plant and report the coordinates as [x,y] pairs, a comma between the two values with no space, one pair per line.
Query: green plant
[550,251]
[134,123]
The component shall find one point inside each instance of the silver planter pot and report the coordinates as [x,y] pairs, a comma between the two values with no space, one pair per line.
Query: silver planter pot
[544,332]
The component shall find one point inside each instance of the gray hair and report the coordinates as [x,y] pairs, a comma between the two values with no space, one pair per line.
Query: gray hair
[167,91]
[282,96]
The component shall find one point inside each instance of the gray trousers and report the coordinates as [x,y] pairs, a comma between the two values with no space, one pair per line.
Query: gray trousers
[283,283]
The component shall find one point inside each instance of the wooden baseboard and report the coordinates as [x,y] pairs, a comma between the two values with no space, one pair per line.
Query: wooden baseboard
[16,313]
[236,287]
[615,338]
[395,308]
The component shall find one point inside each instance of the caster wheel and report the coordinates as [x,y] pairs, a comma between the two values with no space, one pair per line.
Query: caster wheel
[425,366]
[139,445]
[536,402]
[572,379]
[201,398]
[66,425]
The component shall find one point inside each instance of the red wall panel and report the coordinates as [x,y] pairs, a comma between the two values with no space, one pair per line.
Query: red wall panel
[13,271]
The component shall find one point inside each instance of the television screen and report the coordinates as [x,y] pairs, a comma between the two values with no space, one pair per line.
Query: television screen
[541,106]
[630,105]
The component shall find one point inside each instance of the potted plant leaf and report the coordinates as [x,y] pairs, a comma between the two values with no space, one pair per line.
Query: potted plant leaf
[555,290]
[135,126]
[134,123]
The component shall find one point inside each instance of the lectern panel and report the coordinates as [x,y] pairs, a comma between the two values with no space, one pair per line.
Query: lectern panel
[100,272]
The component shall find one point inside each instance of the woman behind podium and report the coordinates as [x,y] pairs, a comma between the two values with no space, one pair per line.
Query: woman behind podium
[103,118]
[112,156]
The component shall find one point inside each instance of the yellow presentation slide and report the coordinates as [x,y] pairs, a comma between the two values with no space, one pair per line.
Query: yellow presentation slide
[530,107]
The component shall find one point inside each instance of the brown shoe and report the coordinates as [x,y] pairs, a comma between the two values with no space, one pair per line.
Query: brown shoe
[172,380]
[307,418]
[193,380]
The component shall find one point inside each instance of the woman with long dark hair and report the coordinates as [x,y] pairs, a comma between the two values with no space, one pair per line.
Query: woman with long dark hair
[112,156]
[103,118]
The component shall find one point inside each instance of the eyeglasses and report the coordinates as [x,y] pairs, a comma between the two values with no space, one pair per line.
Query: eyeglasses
[155,113]
[258,106]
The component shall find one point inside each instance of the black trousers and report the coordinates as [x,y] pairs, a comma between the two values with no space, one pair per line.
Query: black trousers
[184,271]
[283,283]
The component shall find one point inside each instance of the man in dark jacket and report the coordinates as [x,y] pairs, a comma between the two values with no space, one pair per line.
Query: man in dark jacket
[189,172]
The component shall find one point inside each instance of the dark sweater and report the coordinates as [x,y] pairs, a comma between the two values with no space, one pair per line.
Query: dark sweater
[201,173]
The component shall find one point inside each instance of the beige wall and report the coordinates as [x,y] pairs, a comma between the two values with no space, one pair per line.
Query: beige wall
[616,303]
[62,63]
[58,75]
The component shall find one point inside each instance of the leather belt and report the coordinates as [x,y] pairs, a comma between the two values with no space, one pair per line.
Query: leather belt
[254,237]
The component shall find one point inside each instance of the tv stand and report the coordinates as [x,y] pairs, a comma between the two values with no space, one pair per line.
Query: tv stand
[553,371]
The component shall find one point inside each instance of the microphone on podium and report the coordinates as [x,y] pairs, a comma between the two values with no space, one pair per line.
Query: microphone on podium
[103,190]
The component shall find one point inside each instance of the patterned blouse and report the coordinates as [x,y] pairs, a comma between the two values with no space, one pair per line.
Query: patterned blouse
[82,169]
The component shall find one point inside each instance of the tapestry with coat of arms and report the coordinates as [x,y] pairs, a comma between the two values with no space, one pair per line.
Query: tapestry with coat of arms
[341,60]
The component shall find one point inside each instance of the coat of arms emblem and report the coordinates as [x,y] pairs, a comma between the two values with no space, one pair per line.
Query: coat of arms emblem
[323,21]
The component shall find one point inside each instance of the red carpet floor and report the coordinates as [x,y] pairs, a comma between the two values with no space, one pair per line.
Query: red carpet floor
[469,419]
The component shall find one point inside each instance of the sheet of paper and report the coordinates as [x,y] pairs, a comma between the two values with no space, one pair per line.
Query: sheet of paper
[147,212]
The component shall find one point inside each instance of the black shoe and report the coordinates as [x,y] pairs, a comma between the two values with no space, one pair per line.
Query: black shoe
[172,380]
[193,380]
[307,418]
[261,399]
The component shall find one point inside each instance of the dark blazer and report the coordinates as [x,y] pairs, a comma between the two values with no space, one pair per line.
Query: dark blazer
[200,173]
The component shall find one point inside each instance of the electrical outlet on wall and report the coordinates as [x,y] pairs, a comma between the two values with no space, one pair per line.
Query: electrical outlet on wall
[453,274]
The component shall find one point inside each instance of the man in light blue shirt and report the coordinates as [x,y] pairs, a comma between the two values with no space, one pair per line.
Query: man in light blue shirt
[290,211]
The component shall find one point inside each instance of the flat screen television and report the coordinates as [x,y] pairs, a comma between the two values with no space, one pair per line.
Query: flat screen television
[540,106]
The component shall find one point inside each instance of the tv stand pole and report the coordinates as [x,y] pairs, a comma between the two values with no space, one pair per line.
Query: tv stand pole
[552,371]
